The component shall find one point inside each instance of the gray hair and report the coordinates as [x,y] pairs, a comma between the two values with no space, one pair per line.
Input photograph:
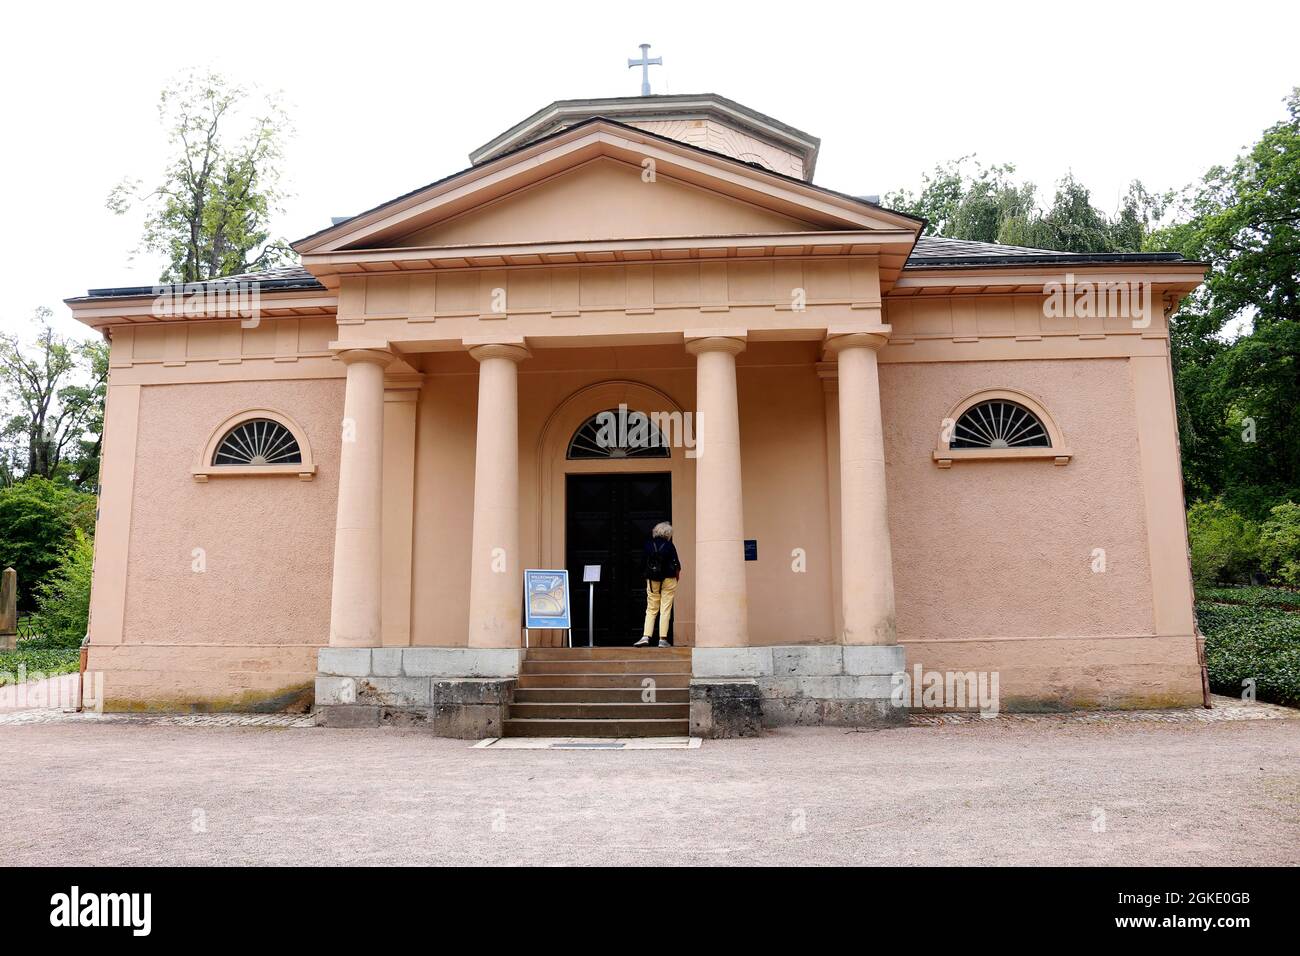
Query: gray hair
[663,530]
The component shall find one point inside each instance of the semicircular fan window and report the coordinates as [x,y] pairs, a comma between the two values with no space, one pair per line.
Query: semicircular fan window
[618,433]
[258,441]
[999,424]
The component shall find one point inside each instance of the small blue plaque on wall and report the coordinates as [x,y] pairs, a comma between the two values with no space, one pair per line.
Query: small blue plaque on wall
[751,549]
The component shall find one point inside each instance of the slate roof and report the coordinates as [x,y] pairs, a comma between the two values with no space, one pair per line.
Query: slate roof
[941,252]
[280,279]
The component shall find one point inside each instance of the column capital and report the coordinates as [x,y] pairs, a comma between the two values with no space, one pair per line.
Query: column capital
[731,343]
[515,352]
[380,356]
[873,339]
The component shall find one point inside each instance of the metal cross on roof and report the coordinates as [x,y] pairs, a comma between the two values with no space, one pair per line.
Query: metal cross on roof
[645,63]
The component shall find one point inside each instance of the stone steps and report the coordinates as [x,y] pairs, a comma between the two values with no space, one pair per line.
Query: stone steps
[611,695]
[603,680]
[568,727]
[643,667]
[596,710]
[607,653]
[597,692]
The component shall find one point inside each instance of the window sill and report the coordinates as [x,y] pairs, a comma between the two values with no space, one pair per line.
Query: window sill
[945,457]
[304,472]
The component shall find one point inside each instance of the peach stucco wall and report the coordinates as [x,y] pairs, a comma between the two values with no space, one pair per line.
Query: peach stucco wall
[247,625]
[1004,548]
[993,560]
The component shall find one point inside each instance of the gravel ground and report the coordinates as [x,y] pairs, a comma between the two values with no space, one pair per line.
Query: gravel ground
[1007,792]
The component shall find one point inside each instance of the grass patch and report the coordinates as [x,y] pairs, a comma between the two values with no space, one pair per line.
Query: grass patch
[1245,641]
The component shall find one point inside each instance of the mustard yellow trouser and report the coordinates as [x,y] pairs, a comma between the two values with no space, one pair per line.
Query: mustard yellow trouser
[659,600]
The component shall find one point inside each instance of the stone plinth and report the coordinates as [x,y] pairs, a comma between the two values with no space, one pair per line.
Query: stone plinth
[726,708]
[461,692]
[808,684]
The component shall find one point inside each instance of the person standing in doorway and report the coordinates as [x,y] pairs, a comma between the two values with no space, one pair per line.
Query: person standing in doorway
[662,570]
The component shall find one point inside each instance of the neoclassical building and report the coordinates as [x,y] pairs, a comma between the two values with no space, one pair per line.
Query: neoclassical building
[879,451]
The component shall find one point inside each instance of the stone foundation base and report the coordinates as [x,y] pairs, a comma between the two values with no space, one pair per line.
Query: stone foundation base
[452,692]
[809,684]
[726,708]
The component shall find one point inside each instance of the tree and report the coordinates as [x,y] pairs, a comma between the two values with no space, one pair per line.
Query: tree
[963,199]
[38,521]
[1236,341]
[54,394]
[210,215]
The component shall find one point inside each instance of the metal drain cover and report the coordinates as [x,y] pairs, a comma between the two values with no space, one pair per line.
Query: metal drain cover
[576,745]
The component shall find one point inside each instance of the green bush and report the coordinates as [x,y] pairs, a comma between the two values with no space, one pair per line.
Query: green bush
[38,519]
[36,657]
[63,598]
[1252,643]
[1225,545]
[63,607]
[1250,596]
[1279,543]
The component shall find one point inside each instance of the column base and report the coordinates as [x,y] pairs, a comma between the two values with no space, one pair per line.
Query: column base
[828,685]
[456,692]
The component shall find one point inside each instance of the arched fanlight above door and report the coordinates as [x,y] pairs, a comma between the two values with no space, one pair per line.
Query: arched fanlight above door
[618,433]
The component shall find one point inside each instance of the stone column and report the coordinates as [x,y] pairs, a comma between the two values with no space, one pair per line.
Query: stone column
[358,539]
[866,568]
[495,585]
[721,607]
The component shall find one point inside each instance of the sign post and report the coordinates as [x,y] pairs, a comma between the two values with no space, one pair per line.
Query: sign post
[546,602]
[591,577]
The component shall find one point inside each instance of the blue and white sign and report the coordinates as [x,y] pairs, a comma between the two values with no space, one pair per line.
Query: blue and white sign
[546,599]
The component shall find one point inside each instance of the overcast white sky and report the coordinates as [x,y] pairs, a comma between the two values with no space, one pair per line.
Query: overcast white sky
[388,96]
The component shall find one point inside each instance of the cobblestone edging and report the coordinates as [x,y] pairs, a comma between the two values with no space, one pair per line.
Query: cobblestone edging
[161,720]
[1225,709]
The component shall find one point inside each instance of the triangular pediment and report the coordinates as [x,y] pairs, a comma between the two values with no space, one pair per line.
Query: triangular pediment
[605,199]
[602,180]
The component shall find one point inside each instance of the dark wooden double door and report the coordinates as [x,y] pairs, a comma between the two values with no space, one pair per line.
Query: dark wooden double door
[608,520]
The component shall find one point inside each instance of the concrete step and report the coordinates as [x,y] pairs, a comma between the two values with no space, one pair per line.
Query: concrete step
[591,711]
[598,695]
[666,666]
[600,727]
[605,653]
[661,681]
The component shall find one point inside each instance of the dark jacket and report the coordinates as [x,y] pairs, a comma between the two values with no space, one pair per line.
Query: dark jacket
[669,561]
